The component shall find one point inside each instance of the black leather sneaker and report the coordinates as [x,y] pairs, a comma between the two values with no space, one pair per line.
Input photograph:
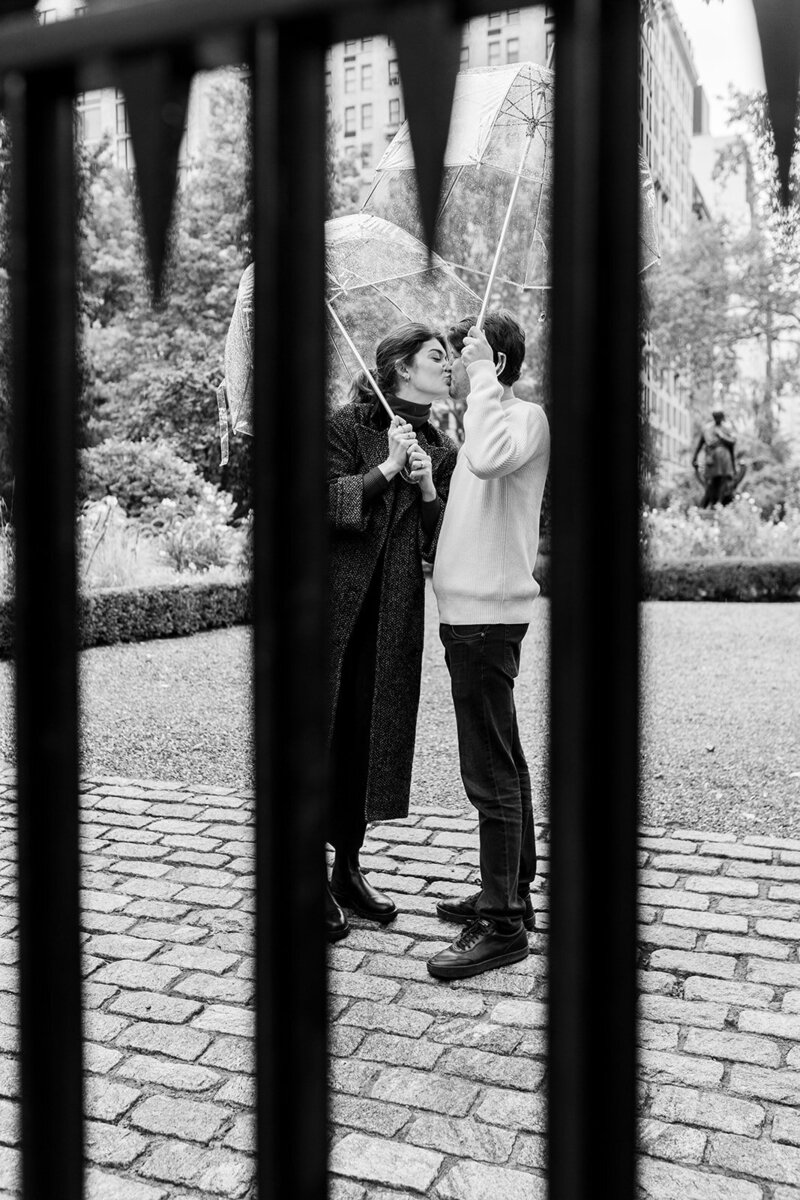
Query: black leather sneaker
[464,911]
[479,947]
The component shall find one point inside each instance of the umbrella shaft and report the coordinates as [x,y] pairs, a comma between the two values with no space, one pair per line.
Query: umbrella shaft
[503,232]
[361,362]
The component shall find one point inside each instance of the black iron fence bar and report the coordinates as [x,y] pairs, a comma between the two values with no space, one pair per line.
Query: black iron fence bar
[289,616]
[594,663]
[150,24]
[44,383]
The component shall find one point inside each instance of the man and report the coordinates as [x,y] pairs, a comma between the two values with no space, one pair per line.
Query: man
[720,462]
[484,585]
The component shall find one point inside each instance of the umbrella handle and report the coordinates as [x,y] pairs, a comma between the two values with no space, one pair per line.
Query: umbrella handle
[360,361]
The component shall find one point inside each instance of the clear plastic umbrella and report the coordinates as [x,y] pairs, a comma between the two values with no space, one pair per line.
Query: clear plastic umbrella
[377,276]
[495,213]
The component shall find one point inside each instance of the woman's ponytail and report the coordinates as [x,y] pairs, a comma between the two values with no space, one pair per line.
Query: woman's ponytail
[361,390]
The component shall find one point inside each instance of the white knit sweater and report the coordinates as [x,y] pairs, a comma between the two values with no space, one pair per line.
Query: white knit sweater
[483,571]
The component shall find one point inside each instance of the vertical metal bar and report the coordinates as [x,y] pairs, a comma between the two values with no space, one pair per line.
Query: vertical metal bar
[289,610]
[594,648]
[44,389]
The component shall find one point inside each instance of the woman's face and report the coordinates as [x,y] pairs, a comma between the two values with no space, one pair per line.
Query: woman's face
[428,373]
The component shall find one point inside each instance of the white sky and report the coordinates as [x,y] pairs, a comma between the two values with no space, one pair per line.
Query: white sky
[724,38]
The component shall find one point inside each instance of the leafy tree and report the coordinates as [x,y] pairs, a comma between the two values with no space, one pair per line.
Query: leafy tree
[153,373]
[691,325]
[765,263]
[343,175]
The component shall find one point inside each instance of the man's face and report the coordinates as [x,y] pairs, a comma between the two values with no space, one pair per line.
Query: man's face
[459,380]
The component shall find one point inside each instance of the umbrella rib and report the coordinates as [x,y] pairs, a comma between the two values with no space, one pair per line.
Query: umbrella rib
[367,283]
[446,200]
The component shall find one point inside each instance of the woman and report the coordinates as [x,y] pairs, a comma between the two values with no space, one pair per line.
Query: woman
[387,484]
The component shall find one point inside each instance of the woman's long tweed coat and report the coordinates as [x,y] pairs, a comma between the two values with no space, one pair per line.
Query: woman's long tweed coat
[359,532]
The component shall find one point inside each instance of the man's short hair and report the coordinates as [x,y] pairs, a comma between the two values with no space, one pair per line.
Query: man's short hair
[504,334]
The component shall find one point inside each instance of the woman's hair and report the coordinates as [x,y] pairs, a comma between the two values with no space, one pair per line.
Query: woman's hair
[397,347]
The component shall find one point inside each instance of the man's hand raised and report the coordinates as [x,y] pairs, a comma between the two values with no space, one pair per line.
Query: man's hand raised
[476,347]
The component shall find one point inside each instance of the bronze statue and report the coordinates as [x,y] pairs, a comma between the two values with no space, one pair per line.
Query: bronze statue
[721,476]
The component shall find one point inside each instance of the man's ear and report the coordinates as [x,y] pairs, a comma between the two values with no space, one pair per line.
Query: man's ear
[500,365]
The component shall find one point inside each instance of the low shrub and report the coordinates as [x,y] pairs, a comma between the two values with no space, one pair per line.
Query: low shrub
[732,579]
[723,579]
[138,614]
[140,475]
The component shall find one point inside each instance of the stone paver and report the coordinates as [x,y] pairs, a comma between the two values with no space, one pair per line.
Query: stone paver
[438,1090]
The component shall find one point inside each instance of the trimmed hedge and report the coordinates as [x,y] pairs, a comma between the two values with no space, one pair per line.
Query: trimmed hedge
[134,614]
[742,579]
[739,579]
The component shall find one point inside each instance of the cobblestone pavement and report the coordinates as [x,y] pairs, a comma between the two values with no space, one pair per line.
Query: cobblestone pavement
[438,1089]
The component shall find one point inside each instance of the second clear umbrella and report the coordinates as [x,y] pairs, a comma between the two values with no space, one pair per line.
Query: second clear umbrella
[498,173]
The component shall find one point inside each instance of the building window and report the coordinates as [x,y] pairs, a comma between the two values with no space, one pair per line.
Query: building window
[80,11]
[122,126]
[366,116]
[350,47]
[366,77]
[394,72]
[366,154]
[464,63]
[366,43]
[90,125]
[47,16]
[350,121]
[494,53]
[349,79]
[549,43]
[124,153]
[549,14]
[328,79]
[512,50]
[394,112]
[495,19]
[512,16]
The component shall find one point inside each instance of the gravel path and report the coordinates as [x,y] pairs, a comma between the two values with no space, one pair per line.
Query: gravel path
[721,743]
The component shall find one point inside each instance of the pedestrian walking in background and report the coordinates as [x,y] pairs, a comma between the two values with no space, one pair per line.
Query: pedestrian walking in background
[485,589]
[388,483]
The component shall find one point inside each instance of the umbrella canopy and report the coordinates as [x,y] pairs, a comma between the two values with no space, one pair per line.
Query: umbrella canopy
[377,277]
[498,172]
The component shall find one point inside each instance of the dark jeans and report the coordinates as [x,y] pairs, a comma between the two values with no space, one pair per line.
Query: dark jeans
[483,661]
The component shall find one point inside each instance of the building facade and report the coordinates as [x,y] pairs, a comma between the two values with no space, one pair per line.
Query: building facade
[670,103]
[363,79]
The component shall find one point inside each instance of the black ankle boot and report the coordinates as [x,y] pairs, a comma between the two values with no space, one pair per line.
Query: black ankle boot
[351,889]
[336,922]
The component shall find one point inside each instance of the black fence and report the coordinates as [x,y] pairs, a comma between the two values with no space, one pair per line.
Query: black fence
[150,48]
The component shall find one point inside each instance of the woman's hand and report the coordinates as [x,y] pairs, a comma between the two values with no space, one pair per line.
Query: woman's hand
[421,472]
[401,439]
